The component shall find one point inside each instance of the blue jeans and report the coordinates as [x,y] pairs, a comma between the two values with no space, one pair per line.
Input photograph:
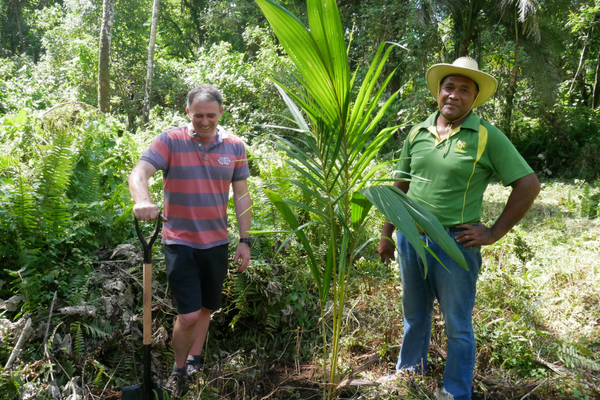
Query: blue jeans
[455,291]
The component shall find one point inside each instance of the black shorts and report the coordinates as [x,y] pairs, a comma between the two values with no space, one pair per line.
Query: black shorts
[196,276]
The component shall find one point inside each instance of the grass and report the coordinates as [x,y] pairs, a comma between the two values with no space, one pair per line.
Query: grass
[537,315]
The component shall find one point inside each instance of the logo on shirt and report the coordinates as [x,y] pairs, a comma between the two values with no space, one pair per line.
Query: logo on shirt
[224,160]
[460,146]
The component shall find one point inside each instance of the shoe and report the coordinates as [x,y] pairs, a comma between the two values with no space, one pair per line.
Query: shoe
[194,367]
[177,384]
[391,378]
[441,394]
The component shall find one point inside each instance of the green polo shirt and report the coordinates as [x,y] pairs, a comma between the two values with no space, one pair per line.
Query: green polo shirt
[458,168]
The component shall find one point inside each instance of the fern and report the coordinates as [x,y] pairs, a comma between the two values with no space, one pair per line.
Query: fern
[573,359]
[97,332]
[79,289]
[101,372]
[78,347]
[68,367]
[23,206]
[51,338]
[52,183]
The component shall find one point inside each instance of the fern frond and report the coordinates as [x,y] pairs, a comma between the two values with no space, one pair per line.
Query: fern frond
[573,359]
[52,183]
[78,347]
[7,161]
[24,206]
[51,338]
[79,289]
[96,331]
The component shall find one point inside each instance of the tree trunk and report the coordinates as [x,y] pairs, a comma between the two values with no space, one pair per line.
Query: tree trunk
[150,70]
[596,87]
[108,15]
[510,96]
[195,7]
[18,19]
[469,27]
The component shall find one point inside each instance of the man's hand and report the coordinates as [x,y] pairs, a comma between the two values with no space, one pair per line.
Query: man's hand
[386,250]
[520,200]
[147,211]
[242,253]
[474,235]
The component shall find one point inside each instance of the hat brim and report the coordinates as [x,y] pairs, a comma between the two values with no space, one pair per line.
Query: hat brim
[487,83]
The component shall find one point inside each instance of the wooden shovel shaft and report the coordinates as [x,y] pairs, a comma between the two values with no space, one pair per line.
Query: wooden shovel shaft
[147,303]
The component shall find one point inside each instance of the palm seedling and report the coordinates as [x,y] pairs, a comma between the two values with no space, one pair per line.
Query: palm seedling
[333,152]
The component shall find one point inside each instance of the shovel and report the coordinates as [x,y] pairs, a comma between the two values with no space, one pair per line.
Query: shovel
[148,390]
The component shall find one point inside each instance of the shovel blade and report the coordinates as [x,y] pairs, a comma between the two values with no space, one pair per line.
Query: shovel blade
[138,392]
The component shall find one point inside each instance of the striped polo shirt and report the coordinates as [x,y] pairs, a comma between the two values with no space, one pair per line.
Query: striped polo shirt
[196,183]
[458,167]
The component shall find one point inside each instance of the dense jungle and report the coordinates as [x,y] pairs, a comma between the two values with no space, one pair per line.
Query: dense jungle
[87,85]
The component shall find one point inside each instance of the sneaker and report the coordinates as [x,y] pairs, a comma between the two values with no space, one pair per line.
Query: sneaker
[397,375]
[193,367]
[441,394]
[177,384]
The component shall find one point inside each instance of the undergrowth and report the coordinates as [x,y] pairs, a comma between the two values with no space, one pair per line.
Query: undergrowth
[536,320]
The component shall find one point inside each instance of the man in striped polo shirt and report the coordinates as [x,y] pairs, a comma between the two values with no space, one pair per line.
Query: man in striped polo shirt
[199,162]
[457,153]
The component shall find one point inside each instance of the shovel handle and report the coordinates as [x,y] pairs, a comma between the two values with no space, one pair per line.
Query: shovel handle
[147,246]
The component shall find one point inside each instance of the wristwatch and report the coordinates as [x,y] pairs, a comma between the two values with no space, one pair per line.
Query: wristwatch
[247,240]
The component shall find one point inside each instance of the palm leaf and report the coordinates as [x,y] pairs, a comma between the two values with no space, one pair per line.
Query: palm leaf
[391,202]
[388,203]
[292,221]
[305,53]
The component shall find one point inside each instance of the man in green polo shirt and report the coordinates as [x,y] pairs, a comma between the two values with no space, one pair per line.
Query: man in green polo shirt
[457,153]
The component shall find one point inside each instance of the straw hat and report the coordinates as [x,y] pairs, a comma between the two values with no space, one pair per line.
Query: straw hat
[464,66]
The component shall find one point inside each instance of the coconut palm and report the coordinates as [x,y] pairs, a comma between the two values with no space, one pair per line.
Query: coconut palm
[333,149]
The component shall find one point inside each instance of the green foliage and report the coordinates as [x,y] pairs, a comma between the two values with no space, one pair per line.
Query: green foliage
[62,195]
[574,359]
[564,143]
[590,200]
[333,153]
[266,305]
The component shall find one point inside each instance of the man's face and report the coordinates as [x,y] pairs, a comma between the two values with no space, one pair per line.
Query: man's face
[457,95]
[205,116]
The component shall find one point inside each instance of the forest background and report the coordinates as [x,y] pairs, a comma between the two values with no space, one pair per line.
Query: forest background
[68,251]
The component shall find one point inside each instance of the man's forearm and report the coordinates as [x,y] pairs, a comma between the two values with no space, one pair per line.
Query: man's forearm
[524,192]
[243,205]
[243,213]
[138,182]
[138,188]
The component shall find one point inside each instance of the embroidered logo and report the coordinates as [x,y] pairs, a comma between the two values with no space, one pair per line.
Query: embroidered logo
[460,146]
[224,160]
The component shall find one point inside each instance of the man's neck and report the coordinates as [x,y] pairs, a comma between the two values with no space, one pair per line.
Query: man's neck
[444,126]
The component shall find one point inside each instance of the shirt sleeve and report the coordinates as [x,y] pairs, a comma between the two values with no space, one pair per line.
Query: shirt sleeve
[241,170]
[159,152]
[404,164]
[506,161]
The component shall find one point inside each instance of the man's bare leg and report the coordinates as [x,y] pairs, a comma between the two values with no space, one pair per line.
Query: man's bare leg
[184,333]
[201,332]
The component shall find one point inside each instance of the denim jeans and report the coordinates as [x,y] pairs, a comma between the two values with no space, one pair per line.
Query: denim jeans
[455,289]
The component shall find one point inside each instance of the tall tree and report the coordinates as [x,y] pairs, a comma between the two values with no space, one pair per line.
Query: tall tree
[17,14]
[521,16]
[464,15]
[150,70]
[108,17]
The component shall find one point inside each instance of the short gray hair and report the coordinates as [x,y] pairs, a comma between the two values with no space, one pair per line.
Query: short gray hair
[204,93]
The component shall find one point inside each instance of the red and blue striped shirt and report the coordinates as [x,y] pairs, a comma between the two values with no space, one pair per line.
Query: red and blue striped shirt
[196,183]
